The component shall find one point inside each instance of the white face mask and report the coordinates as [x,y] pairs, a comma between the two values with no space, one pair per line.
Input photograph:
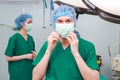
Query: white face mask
[64,28]
[28,27]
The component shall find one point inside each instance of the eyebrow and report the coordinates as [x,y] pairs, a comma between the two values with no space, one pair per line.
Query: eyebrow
[69,20]
[65,20]
[30,21]
[59,20]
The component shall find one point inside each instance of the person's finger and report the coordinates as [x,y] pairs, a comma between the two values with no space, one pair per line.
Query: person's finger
[69,39]
[73,34]
[33,51]
[33,55]
[54,35]
[54,39]
[57,36]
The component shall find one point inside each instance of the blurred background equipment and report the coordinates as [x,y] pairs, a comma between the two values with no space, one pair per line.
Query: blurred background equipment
[5,25]
[108,10]
[99,60]
[116,68]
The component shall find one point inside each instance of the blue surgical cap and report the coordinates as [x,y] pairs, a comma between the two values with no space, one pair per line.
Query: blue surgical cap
[21,19]
[64,10]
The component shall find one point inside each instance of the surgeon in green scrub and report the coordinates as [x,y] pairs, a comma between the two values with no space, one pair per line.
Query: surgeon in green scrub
[64,56]
[20,50]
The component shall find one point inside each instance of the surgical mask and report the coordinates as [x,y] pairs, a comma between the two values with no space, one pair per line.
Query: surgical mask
[28,27]
[64,28]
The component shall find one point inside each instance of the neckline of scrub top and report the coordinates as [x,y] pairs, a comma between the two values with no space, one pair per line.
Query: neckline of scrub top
[62,46]
[23,37]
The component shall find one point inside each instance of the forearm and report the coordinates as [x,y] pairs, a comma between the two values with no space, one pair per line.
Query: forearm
[15,58]
[86,72]
[40,69]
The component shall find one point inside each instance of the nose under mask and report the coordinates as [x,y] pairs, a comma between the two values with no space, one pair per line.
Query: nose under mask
[64,28]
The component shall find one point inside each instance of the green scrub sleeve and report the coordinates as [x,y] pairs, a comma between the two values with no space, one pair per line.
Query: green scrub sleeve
[10,47]
[91,57]
[40,54]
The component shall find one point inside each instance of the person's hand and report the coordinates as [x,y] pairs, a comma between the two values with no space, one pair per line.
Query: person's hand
[73,40]
[33,54]
[52,40]
[30,56]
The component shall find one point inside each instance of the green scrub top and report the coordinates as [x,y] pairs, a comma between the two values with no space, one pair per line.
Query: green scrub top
[62,65]
[17,45]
